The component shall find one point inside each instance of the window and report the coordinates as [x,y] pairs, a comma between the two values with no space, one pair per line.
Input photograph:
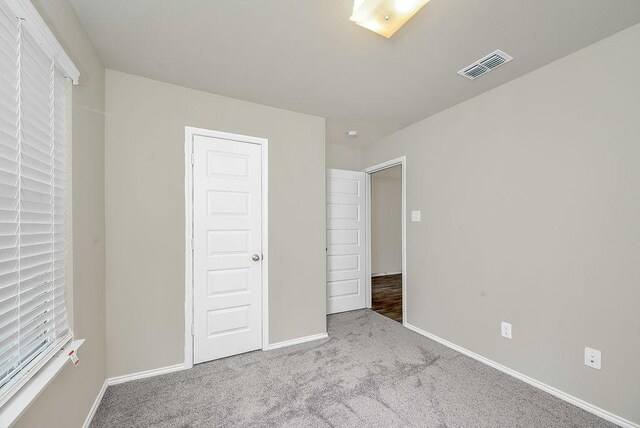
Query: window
[33,310]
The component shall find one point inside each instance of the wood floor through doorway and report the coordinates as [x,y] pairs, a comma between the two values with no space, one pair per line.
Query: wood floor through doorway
[386,296]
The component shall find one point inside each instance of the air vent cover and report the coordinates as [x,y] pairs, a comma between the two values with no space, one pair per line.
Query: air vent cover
[485,65]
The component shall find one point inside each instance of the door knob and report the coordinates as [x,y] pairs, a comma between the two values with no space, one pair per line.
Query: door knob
[255,257]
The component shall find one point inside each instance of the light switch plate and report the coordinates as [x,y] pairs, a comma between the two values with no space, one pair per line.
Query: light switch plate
[592,358]
[415,215]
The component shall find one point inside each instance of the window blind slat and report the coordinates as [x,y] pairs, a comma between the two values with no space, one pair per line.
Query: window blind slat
[8,254]
[7,338]
[9,209]
[31,162]
[38,338]
[31,350]
[35,114]
[8,285]
[6,110]
[8,242]
[9,181]
[33,271]
[36,175]
[34,307]
[9,190]
[36,238]
[28,325]
[34,59]
[9,164]
[10,318]
[9,280]
[8,267]
[61,324]
[9,347]
[6,36]
[7,364]
[34,145]
[31,228]
[9,311]
[6,68]
[36,329]
[8,114]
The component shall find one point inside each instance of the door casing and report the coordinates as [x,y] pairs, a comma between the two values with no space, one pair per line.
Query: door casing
[368,171]
[190,132]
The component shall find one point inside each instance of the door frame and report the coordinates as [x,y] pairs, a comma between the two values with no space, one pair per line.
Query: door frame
[402,161]
[190,133]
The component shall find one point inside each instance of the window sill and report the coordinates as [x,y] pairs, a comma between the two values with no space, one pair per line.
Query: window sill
[23,398]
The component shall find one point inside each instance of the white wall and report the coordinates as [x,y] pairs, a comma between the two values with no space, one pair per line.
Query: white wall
[67,400]
[386,221]
[343,157]
[530,199]
[146,225]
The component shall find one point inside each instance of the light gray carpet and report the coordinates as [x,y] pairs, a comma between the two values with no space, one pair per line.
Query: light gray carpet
[370,372]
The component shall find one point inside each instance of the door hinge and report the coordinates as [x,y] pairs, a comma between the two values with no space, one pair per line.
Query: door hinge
[192,158]
[193,330]
[192,244]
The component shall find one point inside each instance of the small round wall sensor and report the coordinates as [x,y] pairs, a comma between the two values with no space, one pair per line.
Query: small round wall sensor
[352,133]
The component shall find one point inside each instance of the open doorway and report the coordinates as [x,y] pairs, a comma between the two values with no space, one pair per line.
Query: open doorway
[349,243]
[386,271]
[386,242]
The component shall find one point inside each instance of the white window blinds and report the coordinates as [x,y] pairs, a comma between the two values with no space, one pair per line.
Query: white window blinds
[33,312]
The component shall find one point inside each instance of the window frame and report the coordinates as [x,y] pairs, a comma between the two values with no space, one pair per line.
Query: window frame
[37,374]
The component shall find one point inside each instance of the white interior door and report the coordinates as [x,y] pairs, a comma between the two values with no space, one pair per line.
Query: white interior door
[346,234]
[227,216]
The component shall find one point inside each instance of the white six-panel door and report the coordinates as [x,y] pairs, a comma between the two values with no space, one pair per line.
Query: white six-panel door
[346,235]
[227,276]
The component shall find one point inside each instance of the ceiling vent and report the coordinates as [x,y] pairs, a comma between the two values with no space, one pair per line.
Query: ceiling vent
[485,65]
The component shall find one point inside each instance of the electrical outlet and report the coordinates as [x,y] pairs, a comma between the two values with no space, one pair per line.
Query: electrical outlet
[415,215]
[505,328]
[592,358]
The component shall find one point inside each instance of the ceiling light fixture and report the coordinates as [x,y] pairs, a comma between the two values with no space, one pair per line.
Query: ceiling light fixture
[384,17]
[352,133]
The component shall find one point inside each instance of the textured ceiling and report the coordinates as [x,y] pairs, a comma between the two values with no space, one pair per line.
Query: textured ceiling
[306,56]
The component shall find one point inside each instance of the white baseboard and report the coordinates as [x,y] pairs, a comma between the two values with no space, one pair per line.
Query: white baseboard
[96,404]
[144,374]
[126,378]
[551,390]
[297,341]
[373,275]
